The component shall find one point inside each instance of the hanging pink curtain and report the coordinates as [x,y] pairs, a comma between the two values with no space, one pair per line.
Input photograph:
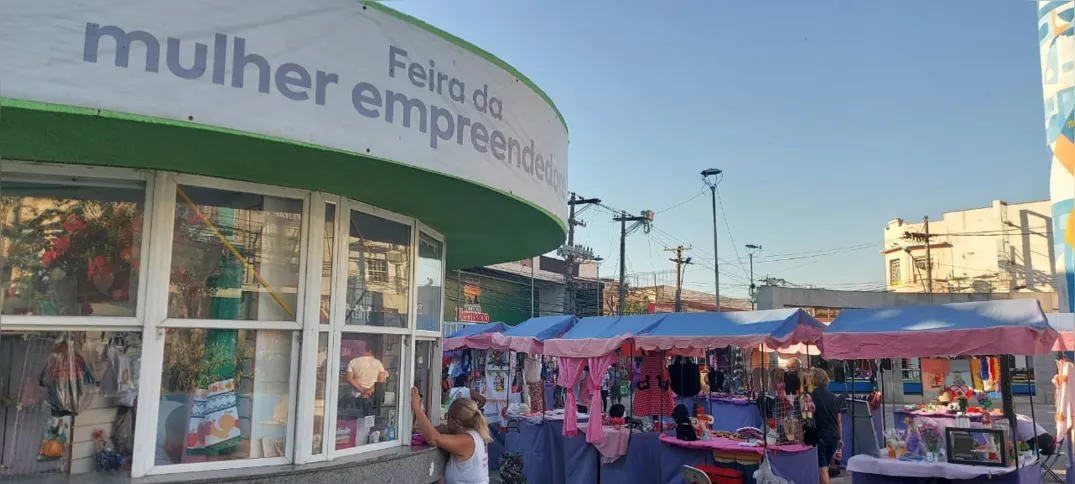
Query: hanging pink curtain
[570,374]
[598,368]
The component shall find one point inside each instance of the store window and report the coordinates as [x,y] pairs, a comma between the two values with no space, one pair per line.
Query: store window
[319,393]
[70,248]
[378,271]
[225,395]
[430,282]
[326,266]
[235,256]
[424,368]
[63,396]
[369,389]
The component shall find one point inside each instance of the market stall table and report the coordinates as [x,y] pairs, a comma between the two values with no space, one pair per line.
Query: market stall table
[872,470]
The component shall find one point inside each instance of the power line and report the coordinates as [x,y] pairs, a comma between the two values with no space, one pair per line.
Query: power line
[728,228]
[680,204]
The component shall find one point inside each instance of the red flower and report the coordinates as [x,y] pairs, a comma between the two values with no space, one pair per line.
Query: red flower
[99,267]
[135,264]
[49,257]
[74,224]
[136,224]
[61,244]
[125,253]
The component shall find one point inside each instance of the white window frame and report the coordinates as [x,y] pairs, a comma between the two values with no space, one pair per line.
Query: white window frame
[343,247]
[38,171]
[158,322]
[419,228]
[339,326]
[152,313]
[174,180]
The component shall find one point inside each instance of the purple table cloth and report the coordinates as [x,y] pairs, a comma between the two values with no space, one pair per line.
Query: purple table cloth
[550,457]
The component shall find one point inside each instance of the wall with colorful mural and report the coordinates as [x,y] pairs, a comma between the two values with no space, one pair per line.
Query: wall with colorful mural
[1056,33]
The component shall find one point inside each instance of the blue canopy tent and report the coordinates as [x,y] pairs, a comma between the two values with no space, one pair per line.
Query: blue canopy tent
[1016,327]
[694,333]
[530,335]
[477,336]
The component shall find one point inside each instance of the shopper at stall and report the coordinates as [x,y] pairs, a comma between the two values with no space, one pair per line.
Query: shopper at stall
[465,437]
[827,422]
[461,389]
[1027,430]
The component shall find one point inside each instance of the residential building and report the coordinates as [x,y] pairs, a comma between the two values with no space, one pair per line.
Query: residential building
[1003,248]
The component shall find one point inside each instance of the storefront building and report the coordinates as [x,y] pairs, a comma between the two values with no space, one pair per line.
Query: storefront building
[226,230]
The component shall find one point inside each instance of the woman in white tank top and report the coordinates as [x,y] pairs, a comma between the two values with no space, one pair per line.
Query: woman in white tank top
[465,436]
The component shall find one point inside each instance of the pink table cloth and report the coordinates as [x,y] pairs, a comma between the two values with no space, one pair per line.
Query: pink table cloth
[614,443]
[728,445]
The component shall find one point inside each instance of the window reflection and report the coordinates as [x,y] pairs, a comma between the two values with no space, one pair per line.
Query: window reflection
[224,395]
[430,282]
[378,271]
[70,249]
[326,266]
[235,256]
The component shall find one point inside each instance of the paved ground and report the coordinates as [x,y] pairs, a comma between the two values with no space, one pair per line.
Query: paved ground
[1042,412]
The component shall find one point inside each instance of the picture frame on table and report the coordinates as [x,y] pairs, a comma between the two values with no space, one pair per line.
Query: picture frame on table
[977,447]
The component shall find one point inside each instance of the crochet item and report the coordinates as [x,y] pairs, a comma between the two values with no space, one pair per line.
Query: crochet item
[806,403]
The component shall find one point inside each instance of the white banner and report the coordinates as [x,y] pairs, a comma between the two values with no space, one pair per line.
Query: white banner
[334,73]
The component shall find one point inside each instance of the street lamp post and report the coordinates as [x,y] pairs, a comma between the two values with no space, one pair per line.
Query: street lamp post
[751,250]
[717,175]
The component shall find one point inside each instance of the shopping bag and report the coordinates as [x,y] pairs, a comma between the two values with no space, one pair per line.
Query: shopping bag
[765,474]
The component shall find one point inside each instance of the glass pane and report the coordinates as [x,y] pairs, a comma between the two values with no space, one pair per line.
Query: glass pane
[423,372]
[224,395]
[378,271]
[326,267]
[319,393]
[70,249]
[235,256]
[430,282]
[368,400]
[39,397]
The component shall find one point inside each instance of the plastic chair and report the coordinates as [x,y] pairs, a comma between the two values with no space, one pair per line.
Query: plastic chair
[695,476]
[1049,458]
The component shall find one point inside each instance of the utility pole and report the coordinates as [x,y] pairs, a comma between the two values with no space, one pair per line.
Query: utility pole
[644,219]
[924,237]
[680,262]
[572,254]
[929,261]
[717,175]
[751,250]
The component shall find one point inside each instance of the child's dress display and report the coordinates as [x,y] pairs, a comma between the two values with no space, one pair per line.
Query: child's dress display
[654,397]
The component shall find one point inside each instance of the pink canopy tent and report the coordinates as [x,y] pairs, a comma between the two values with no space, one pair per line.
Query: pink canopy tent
[1008,327]
[477,336]
[593,342]
[1064,324]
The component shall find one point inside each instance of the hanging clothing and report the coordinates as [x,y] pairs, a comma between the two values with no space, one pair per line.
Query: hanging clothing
[654,395]
[685,377]
[1065,397]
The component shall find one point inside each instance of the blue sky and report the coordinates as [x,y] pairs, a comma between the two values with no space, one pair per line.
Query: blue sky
[829,118]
